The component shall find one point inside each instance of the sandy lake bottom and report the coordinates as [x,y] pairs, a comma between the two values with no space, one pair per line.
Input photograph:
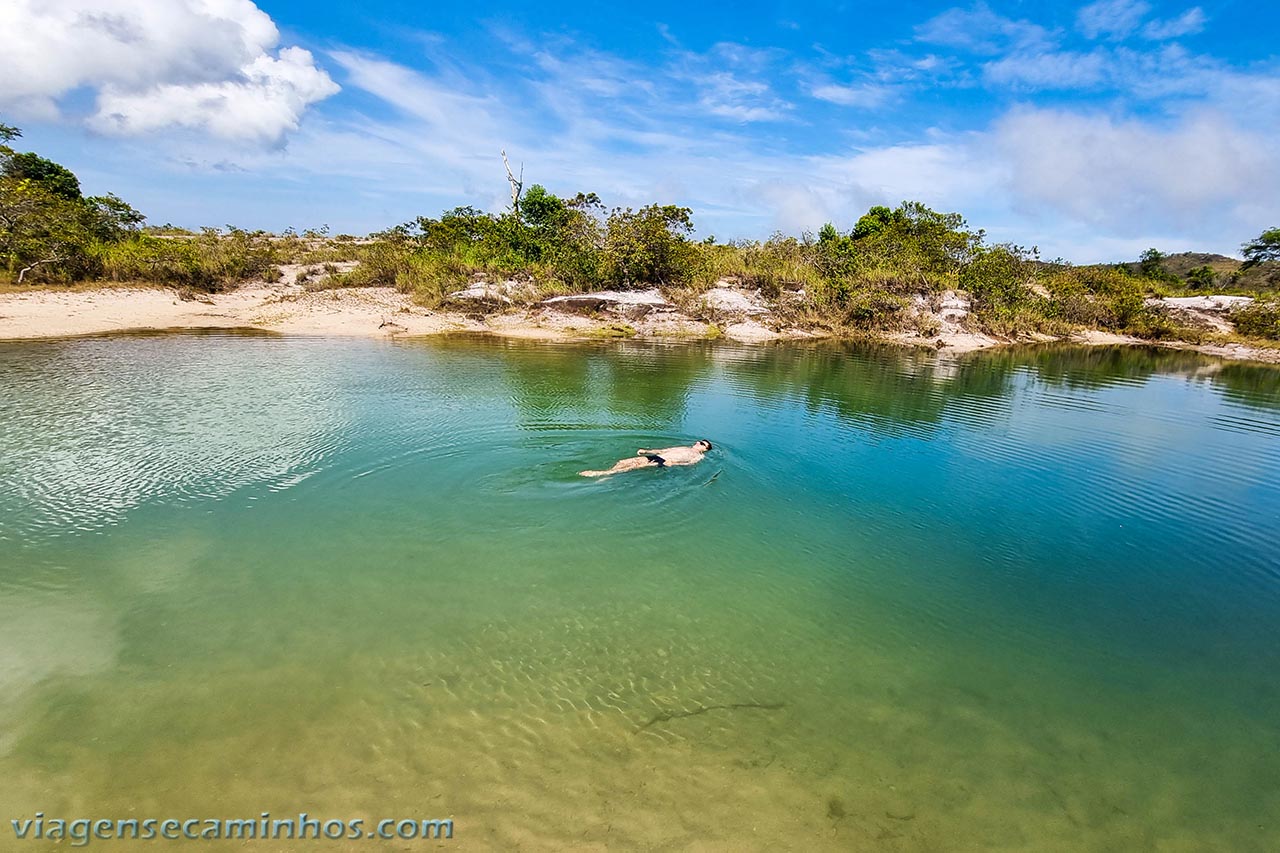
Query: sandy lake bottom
[1025,599]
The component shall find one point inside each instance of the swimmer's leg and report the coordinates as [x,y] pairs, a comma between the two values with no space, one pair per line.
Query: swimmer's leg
[627,465]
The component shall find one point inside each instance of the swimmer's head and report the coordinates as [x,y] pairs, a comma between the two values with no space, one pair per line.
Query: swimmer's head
[702,444]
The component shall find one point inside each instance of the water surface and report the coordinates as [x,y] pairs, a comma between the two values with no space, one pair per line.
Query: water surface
[1022,600]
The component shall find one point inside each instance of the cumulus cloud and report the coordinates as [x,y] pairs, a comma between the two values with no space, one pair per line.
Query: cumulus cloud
[208,64]
[950,172]
[265,101]
[1127,174]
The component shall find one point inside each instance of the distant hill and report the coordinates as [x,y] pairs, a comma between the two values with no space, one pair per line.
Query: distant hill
[1228,274]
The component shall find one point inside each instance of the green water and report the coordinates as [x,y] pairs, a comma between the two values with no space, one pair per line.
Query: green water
[1021,601]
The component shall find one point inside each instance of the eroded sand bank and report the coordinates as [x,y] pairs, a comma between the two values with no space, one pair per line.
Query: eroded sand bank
[385,312]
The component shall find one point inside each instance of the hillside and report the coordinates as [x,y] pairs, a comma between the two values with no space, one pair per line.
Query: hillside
[1229,277]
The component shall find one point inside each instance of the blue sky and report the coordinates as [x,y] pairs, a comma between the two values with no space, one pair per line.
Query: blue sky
[1092,131]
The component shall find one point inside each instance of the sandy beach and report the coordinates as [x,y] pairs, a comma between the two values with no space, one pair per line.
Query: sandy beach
[289,308]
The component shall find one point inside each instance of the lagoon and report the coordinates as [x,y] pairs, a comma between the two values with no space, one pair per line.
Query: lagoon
[1020,599]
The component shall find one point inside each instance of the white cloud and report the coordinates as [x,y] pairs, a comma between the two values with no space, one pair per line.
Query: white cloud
[731,80]
[864,95]
[446,109]
[265,102]
[798,206]
[1113,18]
[1199,173]
[895,66]
[726,95]
[980,30]
[209,64]
[1081,185]
[950,172]
[1051,70]
[1164,75]
[1078,184]
[1188,23]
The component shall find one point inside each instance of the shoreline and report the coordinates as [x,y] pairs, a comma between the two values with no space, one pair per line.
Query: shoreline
[383,312]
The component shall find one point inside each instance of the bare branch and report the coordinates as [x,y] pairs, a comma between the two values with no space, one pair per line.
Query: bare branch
[517,184]
[22,274]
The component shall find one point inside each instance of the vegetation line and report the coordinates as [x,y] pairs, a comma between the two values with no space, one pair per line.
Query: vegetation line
[892,271]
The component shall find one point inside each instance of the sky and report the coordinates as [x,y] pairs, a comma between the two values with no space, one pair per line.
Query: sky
[1092,131]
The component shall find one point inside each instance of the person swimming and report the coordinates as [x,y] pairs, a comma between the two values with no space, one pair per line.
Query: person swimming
[661,458]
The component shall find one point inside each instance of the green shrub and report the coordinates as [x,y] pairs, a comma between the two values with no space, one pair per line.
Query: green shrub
[649,246]
[925,248]
[211,262]
[872,310]
[1201,278]
[1259,319]
[999,281]
[777,264]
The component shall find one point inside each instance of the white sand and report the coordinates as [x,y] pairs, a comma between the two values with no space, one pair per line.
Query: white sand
[288,308]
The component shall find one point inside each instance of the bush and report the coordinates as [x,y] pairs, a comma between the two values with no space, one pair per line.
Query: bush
[210,262]
[871,310]
[779,263]
[1259,319]
[1201,278]
[1108,298]
[648,246]
[999,282]
[926,250]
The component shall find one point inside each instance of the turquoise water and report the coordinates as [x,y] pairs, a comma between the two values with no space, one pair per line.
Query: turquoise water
[1011,601]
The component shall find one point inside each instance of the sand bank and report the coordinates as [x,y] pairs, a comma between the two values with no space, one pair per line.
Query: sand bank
[366,312]
[289,308]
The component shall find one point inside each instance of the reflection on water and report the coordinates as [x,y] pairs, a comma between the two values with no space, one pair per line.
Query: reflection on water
[1021,600]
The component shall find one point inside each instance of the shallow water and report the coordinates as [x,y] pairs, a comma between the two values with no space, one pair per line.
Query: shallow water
[1011,601]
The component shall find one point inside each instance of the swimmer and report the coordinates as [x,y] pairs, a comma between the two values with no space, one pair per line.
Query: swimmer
[690,455]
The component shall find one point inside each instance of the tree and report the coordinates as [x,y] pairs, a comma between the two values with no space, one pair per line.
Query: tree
[57,179]
[42,223]
[1151,263]
[873,222]
[110,218]
[1264,247]
[999,280]
[649,245]
[1202,278]
[836,254]
[517,184]
[913,248]
[47,228]
[39,229]
[542,209]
